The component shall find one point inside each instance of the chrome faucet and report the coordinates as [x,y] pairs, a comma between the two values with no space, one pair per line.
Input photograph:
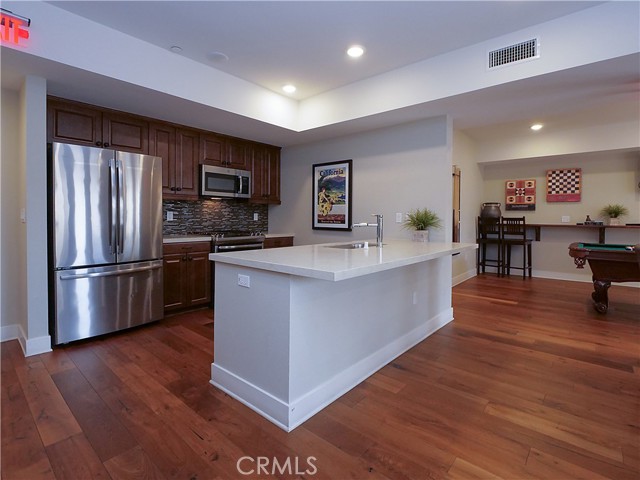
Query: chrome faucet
[379,227]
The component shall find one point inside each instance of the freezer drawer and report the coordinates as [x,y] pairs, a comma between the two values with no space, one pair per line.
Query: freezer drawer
[98,300]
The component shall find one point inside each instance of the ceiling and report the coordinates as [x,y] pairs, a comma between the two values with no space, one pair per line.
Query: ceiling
[304,42]
[272,43]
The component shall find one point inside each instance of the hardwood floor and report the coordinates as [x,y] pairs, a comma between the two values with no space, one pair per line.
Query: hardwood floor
[528,381]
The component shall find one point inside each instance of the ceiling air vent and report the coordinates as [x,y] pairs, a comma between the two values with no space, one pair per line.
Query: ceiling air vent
[514,53]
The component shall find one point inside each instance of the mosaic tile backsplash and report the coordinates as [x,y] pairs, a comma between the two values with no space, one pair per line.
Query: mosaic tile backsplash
[206,216]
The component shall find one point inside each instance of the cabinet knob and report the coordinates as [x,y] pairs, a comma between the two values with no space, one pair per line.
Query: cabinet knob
[179,188]
[106,144]
[98,144]
[173,189]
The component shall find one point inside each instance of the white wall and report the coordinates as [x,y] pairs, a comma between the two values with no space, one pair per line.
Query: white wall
[471,191]
[23,246]
[13,284]
[394,170]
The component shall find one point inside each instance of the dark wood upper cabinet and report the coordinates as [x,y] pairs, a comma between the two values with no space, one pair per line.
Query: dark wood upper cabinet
[265,178]
[179,150]
[162,143]
[182,149]
[212,149]
[187,155]
[238,154]
[72,122]
[125,132]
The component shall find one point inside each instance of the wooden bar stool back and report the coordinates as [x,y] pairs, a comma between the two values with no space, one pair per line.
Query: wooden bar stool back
[488,232]
[514,233]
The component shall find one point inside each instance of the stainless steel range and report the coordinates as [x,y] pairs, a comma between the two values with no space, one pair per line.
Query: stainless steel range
[227,241]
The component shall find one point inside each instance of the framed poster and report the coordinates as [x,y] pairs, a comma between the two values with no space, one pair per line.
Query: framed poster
[520,194]
[332,195]
[564,185]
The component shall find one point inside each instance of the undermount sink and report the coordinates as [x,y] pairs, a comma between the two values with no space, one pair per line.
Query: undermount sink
[353,245]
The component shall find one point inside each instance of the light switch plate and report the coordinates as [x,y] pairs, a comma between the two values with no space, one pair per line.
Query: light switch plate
[169,216]
[566,219]
[255,217]
[398,217]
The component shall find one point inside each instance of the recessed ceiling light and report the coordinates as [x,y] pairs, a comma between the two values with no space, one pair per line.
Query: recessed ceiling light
[175,49]
[536,126]
[217,57]
[288,88]
[355,51]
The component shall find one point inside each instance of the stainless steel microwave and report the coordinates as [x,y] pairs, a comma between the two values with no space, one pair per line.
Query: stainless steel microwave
[224,182]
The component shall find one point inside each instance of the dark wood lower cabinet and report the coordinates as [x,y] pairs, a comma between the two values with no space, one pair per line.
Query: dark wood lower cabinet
[187,275]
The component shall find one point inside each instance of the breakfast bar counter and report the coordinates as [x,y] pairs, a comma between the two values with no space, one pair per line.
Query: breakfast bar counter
[297,327]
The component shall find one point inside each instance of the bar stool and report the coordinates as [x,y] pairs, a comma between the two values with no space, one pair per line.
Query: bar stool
[514,233]
[488,232]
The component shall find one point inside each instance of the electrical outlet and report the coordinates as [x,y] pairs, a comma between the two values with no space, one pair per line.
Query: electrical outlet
[415,298]
[255,217]
[398,217]
[169,216]
[244,280]
[566,219]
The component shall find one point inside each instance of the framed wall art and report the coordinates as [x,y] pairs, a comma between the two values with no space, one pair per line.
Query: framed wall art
[332,195]
[564,185]
[520,195]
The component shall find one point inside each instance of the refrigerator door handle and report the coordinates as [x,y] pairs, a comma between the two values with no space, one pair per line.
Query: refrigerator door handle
[120,207]
[113,207]
[109,274]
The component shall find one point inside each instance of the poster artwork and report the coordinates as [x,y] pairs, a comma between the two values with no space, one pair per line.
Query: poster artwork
[564,185]
[331,195]
[520,195]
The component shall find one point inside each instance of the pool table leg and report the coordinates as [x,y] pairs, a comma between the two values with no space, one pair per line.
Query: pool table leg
[600,296]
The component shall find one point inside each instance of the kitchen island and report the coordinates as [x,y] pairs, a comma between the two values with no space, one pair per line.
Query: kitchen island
[297,327]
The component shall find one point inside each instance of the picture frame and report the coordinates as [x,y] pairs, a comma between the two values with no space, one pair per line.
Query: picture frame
[331,196]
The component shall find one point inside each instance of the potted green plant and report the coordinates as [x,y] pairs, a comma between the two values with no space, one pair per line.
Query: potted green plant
[614,212]
[421,220]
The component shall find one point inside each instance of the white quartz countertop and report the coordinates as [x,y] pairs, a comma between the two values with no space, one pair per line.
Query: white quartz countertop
[334,264]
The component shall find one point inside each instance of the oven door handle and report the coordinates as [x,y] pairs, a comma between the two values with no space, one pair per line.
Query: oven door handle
[247,246]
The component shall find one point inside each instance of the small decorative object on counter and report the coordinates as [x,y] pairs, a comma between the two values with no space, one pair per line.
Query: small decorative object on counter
[613,212]
[420,220]
[491,210]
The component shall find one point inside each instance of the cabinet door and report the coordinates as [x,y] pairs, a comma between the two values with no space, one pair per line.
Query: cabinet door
[72,123]
[238,154]
[187,155]
[212,150]
[162,143]
[272,173]
[125,132]
[199,278]
[175,288]
[265,168]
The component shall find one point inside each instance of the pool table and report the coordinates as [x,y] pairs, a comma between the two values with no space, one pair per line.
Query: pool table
[609,263]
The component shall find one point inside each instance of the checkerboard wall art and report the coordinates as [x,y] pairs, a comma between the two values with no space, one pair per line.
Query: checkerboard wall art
[564,185]
[520,194]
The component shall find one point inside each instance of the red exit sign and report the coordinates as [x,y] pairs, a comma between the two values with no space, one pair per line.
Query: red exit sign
[13,30]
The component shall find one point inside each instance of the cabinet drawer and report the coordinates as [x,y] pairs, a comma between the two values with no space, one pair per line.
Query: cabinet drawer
[185,247]
[276,242]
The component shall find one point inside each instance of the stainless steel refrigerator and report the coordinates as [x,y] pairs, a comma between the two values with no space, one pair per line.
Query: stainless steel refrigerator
[106,255]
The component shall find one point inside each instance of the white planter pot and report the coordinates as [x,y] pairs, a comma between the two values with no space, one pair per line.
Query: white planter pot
[615,221]
[421,236]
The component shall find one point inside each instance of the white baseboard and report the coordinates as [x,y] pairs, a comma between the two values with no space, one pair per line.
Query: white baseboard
[30,346]
[290,415]
[458,279]
[569,277]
